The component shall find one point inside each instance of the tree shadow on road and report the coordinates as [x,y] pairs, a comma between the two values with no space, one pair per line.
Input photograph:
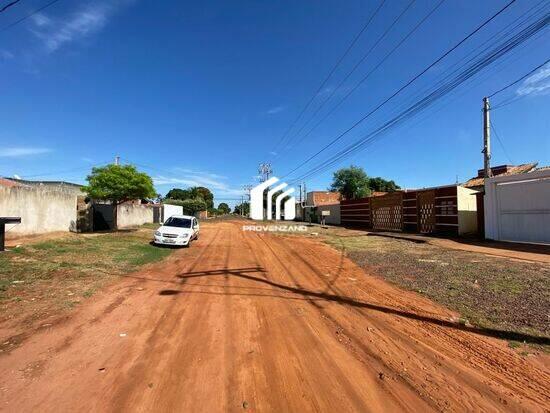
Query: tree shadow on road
[245,274]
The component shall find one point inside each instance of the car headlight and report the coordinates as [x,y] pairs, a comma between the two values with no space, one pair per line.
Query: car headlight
[157,233]
[184,235]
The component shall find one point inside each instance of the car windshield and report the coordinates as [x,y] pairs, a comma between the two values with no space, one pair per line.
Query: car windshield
[178,222]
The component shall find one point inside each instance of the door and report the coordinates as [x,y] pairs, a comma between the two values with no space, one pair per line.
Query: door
[156,214]
[103,217]
[425,204]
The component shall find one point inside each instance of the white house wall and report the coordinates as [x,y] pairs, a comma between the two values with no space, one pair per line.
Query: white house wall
[467,210]
[42,209]
[517,208]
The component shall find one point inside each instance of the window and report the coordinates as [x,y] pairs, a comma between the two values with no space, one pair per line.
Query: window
[178,222]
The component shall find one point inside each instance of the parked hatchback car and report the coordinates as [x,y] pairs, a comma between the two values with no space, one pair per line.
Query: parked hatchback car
[177,230]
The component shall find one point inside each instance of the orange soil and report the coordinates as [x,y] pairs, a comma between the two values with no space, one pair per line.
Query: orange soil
[247,321]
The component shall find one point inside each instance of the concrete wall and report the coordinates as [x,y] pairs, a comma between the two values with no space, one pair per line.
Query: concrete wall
[133,215]
[333,218]
[42,209]
[517,207]
[169,210]
[467,210]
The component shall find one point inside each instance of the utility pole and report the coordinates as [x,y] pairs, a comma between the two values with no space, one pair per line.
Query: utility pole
[117,160]
[242,205]
[486,139]
[264,169]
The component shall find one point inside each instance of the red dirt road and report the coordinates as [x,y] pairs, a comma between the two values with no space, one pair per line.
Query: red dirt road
[255,322]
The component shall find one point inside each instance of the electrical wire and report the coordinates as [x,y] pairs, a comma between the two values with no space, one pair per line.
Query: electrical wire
[425,102]
[32,13]
[500,142]
[337,88]
[356,38]
[519,80]
[405,86]
[7,6]
[80,168]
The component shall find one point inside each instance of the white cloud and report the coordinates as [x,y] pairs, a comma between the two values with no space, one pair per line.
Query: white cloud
[55,32]
[6,55]
[216,183]
[275,110]
[41,20]
[538,83]
[19,152]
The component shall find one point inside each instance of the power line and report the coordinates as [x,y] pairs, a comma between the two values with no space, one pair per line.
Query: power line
[519,80]
[7,6]
[333,109]
[492,123]
[32,13]
[80,168]
[474,53]
[439,59]
[425,102]
[356,38]
[380,38]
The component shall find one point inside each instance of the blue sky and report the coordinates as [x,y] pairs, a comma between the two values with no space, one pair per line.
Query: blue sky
[199,93]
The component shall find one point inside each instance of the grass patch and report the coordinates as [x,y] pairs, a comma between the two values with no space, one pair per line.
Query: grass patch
[487,291]
[56,274]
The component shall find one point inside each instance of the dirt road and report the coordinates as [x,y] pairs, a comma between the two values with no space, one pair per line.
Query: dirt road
[256,322]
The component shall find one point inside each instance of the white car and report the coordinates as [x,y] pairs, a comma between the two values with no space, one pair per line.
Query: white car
[177,230]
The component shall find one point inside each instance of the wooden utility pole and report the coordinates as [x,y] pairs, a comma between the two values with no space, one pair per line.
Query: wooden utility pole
[486,139]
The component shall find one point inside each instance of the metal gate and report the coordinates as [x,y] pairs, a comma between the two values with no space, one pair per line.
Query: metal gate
[103,217]
[426,211]
[387,212]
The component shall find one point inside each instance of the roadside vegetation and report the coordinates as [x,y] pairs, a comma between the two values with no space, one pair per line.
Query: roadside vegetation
[38,280]
[490,292]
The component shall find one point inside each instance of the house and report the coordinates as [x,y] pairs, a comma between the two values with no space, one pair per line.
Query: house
[478,183]
[47,206]
[449,209]
[517,207]
[323,204]
[44,206]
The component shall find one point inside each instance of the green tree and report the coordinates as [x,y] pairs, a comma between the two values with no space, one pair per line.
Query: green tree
[244,207]
[177,193]
[118,184]
[204,193]
[381,185]
[223,208]
[194,192]
[352,182]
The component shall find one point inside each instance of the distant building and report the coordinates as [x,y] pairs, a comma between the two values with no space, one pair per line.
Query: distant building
[318,198]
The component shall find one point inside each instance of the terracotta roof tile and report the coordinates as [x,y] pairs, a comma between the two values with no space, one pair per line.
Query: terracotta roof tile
[514,170]
[9,183]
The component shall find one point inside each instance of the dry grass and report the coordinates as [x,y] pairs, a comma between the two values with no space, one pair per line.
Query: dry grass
[42,279]
[487,291]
